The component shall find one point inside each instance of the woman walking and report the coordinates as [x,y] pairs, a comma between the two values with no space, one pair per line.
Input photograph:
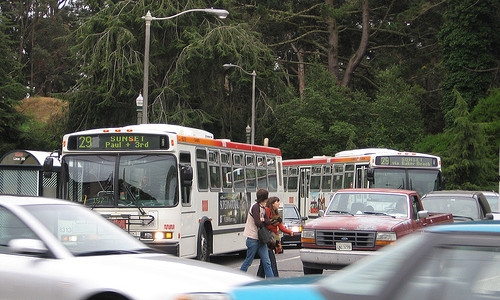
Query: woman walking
[256,219]
[272,206]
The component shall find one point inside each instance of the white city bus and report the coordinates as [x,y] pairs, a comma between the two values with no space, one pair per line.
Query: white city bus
[310,183]
[175,188]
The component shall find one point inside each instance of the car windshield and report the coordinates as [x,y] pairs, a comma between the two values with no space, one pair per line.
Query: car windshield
[125,180]
[456,205]
[369,203]
[82,231]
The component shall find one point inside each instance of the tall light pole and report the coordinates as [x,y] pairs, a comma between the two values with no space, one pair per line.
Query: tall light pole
[254,74]
[221,13]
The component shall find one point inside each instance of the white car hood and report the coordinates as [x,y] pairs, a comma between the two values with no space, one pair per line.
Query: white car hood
[145,276]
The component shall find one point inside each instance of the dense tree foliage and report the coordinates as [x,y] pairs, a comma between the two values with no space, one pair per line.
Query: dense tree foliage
[469,36]
[11,91]
[331,75]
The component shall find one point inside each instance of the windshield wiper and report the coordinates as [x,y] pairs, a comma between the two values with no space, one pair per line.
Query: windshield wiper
[340,212]
[378,213]
[133,198]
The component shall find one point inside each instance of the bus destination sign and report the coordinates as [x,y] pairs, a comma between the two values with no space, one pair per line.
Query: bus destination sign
[117,141]
[406,161]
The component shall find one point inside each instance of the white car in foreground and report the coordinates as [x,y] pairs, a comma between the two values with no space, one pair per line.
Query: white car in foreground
[55,249]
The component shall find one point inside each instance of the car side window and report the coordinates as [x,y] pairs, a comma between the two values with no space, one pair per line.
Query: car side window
[11,227]
[416,206]
[455,272]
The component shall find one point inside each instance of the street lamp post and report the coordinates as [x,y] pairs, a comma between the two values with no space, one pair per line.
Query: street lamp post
[253,74]
[139,102]
[248,130]
[221,13]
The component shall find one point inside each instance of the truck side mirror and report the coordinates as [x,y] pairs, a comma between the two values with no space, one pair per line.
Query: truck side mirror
[186,175]
[423,214]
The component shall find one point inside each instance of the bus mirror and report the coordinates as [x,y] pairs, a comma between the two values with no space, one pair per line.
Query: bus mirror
[48,166]
[186,175]
[370,174]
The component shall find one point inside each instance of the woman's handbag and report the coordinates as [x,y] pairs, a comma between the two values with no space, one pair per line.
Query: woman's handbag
[267,237]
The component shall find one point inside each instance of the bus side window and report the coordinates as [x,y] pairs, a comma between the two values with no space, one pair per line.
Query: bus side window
[250,172]
[338,177]
[238,174]
[261,172]
[202,169]
[227,175]
[271,173]
[214,170]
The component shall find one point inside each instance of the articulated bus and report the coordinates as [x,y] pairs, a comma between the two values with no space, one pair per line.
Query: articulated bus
[310,183]
[175,188]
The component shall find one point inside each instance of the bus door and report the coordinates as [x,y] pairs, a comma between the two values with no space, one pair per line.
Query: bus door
[361,176]
[304,193]
[189,205]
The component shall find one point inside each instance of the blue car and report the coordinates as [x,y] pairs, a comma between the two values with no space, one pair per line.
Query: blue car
[456,261]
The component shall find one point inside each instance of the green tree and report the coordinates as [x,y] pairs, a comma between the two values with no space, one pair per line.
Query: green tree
[327,119]
[466,161]
[468,37]
[398,122]
[11,91]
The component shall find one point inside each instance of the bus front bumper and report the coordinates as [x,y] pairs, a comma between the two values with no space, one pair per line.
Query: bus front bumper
[169,248]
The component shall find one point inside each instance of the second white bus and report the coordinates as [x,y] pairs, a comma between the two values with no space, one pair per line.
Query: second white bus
[310,183]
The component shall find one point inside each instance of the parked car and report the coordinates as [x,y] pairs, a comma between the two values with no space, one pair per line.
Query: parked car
[55,249]
[358,222]
[464,205]
[294,222]
[458,261]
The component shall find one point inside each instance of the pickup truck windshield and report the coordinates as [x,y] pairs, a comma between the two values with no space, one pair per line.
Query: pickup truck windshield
[359,203]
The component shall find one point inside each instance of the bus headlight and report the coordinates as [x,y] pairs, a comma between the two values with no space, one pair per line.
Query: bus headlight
[308,236]
[157,235]
[385,238]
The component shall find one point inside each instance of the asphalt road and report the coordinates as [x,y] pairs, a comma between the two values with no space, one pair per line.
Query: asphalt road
[289,264]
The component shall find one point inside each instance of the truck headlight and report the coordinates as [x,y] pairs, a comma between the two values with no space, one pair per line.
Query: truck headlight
[308,236]
[385,238]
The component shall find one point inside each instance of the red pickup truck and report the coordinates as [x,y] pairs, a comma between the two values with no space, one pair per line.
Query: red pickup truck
[359,221]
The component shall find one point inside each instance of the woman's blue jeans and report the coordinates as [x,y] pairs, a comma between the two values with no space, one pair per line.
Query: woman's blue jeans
[254,246]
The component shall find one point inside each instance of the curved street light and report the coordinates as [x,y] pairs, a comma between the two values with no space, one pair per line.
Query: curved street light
[253,74]
[220,13]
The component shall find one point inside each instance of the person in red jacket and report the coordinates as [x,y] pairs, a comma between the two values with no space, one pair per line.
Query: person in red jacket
[272,206]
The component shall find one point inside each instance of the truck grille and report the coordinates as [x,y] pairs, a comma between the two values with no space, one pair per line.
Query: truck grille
[359,239]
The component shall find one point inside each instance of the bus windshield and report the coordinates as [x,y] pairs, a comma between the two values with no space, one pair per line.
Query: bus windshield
[122,180]
[421,181]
